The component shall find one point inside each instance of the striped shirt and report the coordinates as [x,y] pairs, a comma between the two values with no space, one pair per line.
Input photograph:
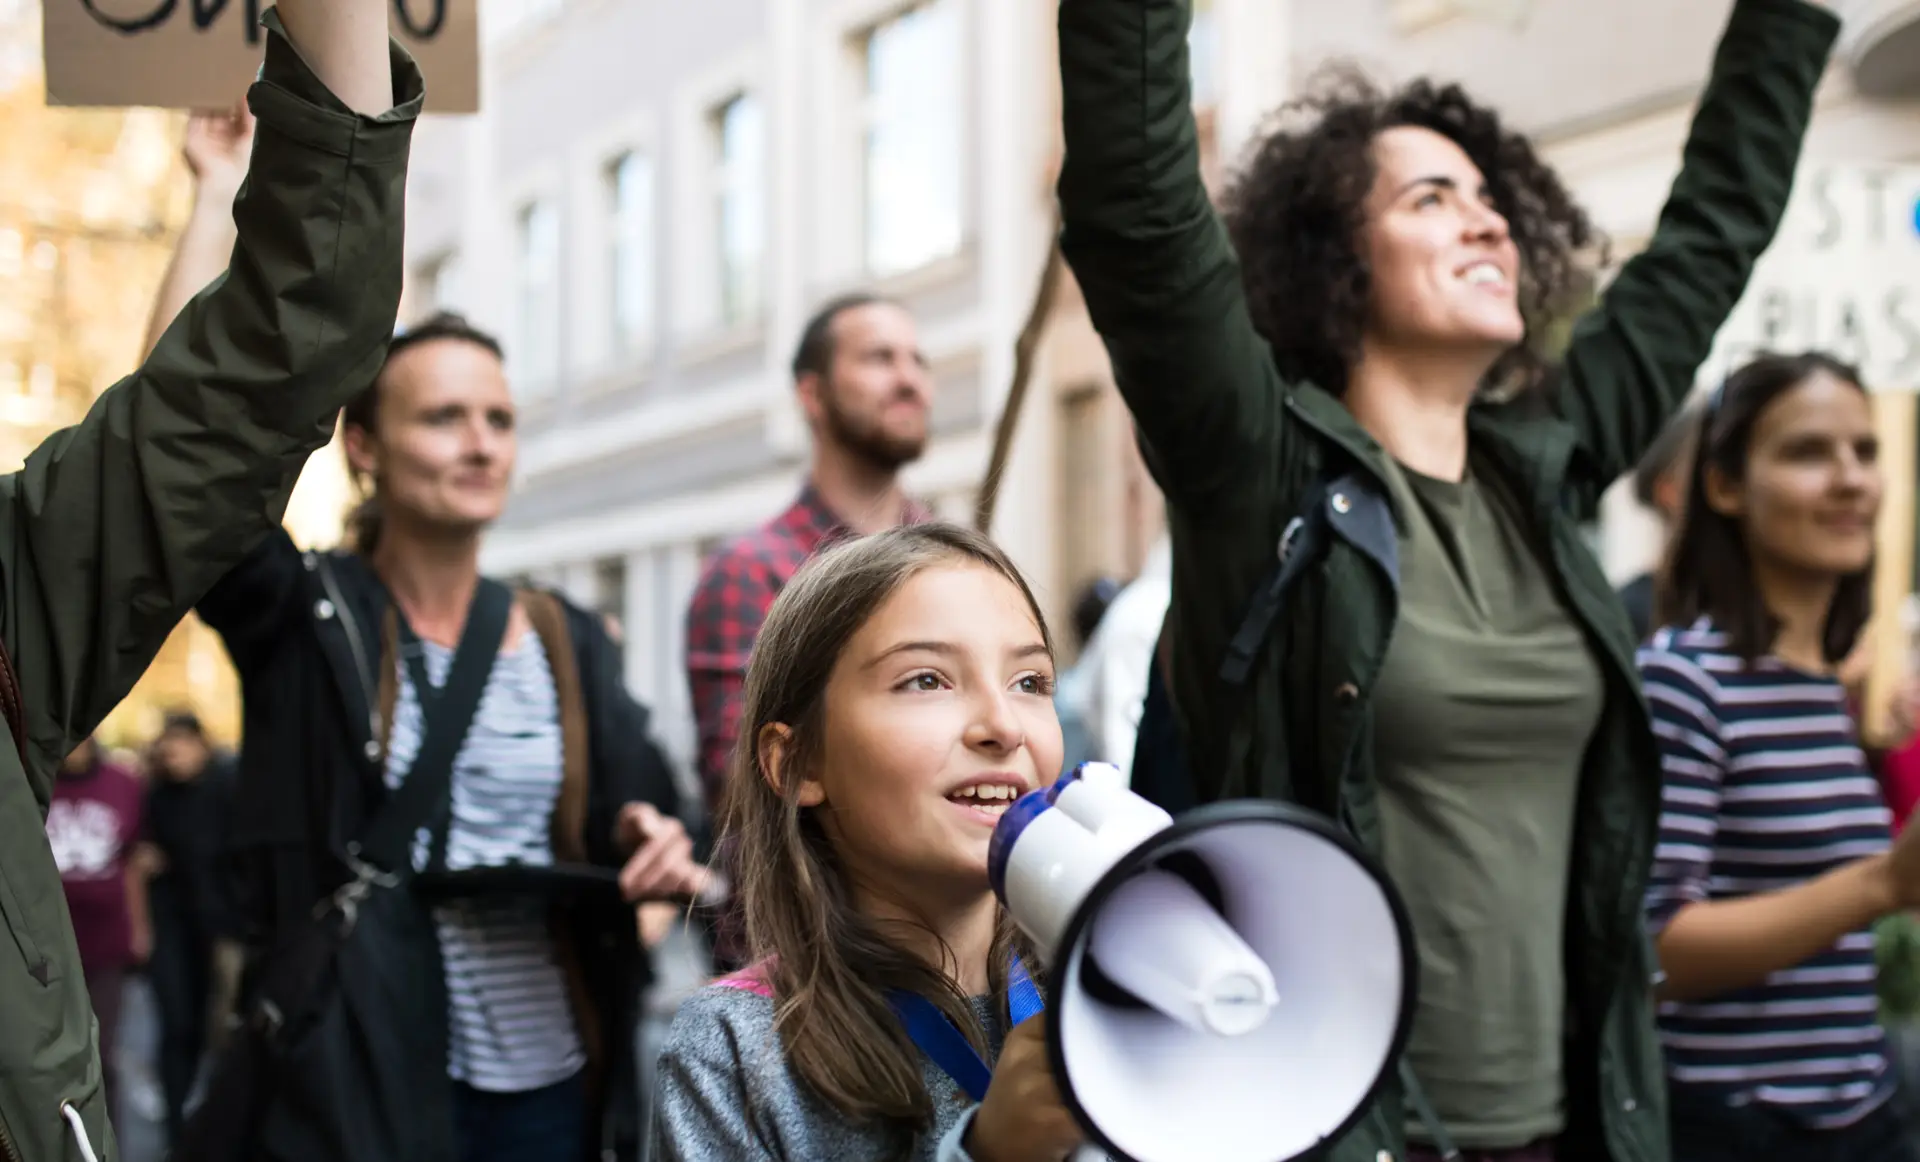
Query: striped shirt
[1766,788]
[510,1025]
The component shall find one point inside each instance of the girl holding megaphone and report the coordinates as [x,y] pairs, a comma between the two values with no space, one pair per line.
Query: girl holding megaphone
[900,698]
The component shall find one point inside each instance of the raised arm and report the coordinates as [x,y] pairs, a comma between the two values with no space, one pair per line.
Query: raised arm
[217,148]
[1634,357]
[117,526]
[345,43]
[1152,258]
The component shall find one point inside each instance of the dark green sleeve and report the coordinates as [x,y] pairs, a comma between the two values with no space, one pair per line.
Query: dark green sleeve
[1635,356]
[117,526]
[1152,258]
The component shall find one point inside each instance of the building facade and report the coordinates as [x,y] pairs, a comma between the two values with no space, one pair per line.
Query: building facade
[655,196]
[654,199]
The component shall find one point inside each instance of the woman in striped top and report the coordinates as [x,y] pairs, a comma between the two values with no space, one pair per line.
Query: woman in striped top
[556,766]
[1774,858]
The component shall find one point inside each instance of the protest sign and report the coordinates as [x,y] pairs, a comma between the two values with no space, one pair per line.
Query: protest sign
[202,54]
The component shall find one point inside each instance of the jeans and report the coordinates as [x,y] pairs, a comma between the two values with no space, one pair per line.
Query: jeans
[106,986]
[540,1125]
[181,977]
[1706,1129]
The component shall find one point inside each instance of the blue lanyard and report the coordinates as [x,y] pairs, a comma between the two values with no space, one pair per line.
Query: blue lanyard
[946,1046]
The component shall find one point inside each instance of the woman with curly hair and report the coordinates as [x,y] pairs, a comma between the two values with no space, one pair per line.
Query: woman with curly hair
[1352,362]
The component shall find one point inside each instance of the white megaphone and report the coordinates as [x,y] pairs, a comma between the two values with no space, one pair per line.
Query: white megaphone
[1233,985]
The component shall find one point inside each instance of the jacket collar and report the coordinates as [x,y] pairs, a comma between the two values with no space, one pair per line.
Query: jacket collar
[348,606]
[1535,451]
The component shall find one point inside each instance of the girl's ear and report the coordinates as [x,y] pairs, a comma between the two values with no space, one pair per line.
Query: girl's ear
[363,452]
[1724,496]
[775,751]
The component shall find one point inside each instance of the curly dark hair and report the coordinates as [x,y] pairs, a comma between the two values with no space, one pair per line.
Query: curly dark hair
[1295,214]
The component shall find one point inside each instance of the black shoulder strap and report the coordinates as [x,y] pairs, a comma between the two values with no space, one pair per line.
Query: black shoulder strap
[447,712]
[1300,545]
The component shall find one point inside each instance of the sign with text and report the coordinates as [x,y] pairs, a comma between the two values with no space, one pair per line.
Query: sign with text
[202,54]
[1843,276]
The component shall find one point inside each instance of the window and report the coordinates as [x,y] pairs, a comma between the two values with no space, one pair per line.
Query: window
[739,132]
[1203,54]
[444,284]
[630,201]
[911,116]
[537,311]
[435,287]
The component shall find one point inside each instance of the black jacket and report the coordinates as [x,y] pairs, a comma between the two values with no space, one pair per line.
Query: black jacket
[1637,596]
[304,632]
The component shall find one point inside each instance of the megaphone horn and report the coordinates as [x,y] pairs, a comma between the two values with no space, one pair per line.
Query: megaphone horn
[1232,985]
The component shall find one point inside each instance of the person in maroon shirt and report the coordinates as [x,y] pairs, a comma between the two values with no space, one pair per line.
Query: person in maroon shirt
[92,825]
[866,391]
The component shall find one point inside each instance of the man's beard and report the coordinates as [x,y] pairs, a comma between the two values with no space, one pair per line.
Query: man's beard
[869,442]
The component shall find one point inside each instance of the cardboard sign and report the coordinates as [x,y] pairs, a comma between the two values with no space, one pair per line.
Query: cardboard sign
[202,54]
[1842,275]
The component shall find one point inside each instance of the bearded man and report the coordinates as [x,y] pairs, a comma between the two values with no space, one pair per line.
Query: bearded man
[864,386]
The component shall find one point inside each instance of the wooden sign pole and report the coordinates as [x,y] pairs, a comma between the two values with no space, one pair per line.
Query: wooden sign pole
[1025,350]
[1895,417]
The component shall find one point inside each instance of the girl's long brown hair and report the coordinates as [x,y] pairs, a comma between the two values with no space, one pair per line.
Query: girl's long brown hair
[830,968]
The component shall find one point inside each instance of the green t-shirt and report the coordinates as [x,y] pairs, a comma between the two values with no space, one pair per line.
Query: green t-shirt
[1485,705]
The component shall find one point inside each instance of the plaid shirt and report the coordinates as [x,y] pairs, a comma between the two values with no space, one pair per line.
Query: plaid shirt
[729,605]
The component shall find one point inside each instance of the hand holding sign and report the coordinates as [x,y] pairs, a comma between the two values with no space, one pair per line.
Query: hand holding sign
[195,54]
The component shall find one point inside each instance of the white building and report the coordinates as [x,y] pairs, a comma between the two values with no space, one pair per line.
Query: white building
[657,194]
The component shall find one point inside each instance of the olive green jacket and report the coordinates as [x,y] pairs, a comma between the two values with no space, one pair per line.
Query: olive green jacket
[1236,450]
[117,526]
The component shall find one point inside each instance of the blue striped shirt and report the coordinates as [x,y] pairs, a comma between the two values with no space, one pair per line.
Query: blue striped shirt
[1766,787]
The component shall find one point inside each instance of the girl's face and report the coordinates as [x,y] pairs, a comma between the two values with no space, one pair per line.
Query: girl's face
[938,714]
[1812,486]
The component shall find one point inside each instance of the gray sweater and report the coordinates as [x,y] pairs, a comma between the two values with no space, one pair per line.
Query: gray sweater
[725,1092]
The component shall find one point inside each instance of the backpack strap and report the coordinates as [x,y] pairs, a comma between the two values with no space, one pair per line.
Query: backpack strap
[549,619]
[386,846]
[1301,544]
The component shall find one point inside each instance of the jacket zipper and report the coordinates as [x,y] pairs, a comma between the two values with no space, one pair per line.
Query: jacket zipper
[361,669]
[7,1147]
